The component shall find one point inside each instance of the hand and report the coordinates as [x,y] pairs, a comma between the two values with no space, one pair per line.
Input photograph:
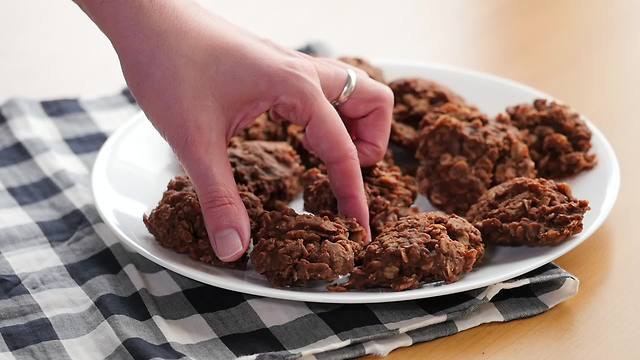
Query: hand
[200,80]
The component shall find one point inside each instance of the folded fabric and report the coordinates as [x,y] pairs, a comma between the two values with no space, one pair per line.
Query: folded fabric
[70,289]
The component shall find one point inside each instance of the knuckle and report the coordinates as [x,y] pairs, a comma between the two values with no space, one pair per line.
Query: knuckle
[301,99]
[377,151]
[307,92]
[218,199]
[349,153]
[385,95]
[298,70]
[344,154]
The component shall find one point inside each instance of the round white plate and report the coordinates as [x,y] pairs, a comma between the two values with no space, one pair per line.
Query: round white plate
[135,165]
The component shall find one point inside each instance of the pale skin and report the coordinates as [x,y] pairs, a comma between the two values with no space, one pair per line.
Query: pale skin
[201,79]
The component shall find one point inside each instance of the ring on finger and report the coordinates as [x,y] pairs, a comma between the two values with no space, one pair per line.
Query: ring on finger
[348,89]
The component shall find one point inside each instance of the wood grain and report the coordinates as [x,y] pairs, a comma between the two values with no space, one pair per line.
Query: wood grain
[585,53]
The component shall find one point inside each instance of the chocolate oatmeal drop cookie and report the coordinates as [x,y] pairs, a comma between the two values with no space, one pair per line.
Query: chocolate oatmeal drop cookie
[295,135]
[373,72]
[460,160]
[417,103]
[265,128]
[403,135]
[270,170]
[558,139]
[533,212]
[294,249]
[415,97]
[418,248]
[177,223]
[460,111]
[390,194]
[407,136]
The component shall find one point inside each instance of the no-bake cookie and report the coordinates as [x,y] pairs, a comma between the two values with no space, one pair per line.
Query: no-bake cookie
[177,222]
[559,140]
[265,128]
[458,110]
[416,97]
[390,194]
[460,160]
[295,136]
[418,248]
[417,102]
[533,212]
[270,170]
[295,249]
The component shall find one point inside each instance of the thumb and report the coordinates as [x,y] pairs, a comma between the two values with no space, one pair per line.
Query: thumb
[224,213]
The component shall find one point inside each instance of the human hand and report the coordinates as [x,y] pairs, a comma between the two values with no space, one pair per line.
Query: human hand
[200,80]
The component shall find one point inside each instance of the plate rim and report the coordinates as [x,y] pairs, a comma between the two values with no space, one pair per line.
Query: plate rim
[612,190]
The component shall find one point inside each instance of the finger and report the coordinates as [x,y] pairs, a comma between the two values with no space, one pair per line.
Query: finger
[333,76]
[367,113]
[368,117]
[327,137]
[224,213]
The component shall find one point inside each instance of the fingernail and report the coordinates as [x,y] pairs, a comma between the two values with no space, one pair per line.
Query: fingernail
[228,244]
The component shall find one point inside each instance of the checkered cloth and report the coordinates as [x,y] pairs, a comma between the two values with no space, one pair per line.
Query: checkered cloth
[69,289]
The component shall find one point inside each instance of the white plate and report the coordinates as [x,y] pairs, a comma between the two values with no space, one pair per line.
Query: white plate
[135,164]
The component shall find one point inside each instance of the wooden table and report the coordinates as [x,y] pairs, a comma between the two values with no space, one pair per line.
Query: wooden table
[585,53]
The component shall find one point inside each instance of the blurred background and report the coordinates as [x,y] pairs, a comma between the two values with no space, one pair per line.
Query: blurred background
[585,53]
[49,48]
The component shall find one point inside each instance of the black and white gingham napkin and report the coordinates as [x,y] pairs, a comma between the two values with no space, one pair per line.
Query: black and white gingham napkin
[69,289]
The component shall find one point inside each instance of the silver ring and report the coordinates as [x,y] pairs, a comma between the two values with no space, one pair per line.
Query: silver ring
[348,89]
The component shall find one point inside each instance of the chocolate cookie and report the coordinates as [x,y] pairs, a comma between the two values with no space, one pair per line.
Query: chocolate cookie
[403,135]
[416,97]
[390,194]
[265,128]
[533,212]
[270,170]
[460,160]
[458,110]
[417,103]
[295,249]
[559,140]
[295,136]
[418,248]
[407,136]
[177,222]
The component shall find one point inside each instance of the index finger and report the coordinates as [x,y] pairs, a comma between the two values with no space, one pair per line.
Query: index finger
[367,113]
[327,137]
